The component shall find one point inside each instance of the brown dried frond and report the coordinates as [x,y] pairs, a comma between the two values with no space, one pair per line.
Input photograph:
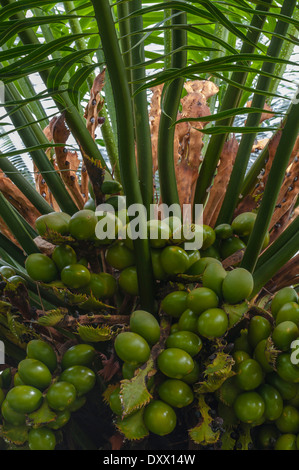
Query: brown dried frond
[221,180]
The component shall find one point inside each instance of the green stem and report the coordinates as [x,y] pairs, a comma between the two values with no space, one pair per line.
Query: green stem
[231,100]
[106,129]
[170,102]
[124,32]
[270,267]
[65,105]
[17,228]
[273,186]
[286,53]
[12,250]
[24,186]
[140,108]
[167,40]
[126,142]
[279,243]
[244,151]
[29,136]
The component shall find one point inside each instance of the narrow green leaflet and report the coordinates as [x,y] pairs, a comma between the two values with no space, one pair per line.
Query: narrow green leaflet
[235,313]
[62,67]
[14,434]
[91,334]
[245,440]
[42,416]
[134,393]
[203,433]
[228,443]
[216,373]
[51,318]
[133,427]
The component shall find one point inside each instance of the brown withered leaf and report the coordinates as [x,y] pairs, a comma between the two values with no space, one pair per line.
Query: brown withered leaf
[267,114]
[110,367]
[95,104]
[45,247]
[251,201]
[116,441]
[288,275]
[154,119]
[91,169]
[7,233]
[188,138]
[221,180]
[260,145]
[287,197]
[67,161]
[12,193]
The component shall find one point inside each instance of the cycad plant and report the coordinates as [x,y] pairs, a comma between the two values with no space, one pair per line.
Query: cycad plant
[126,103]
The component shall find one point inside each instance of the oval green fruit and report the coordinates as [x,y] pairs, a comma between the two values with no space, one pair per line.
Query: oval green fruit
[35,373]
[131,347]
[64,255]
[159,418]
[259,328]
[201,299]
[111,187]
[185,340]
[78,355]
[199,266]
[119,256]
[11,416]
[41,439]
[41,268]
[81,377]
[288,421]
[249,407]
[175,303]
[237,285]
[75,276]
[193,376]
[128,281]
[175,363]
[176,393]
[188,321]
[7,271]
[286,369]
[284,334]
[115,402]
[209,237]
[158,233]
[262,354]
[212,323]
[287,390]
[249,375]
[286,442]
[146,325]
[174,260]
[24,398]
[55,221]
[243,224]
[42,351]
[82,225]
[231,246]
[273,401]
[61,395]
[223,231]
[213,277]
[158,270]
[283,296]
[288,312]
